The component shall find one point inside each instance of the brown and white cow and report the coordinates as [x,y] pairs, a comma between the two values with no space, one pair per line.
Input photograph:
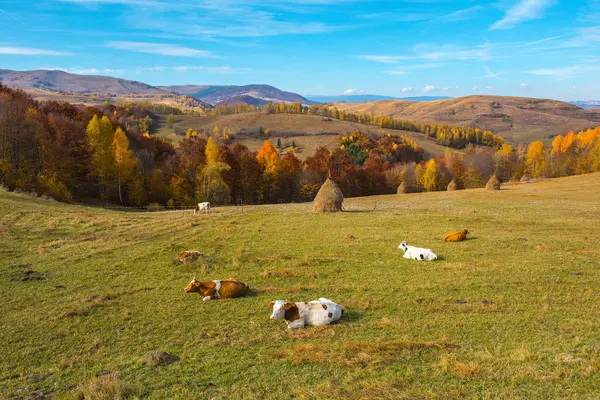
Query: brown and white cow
[202,207]
[300,314]
[214,290]
[189,256]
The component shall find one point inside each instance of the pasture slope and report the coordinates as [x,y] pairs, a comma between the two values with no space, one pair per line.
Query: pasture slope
[309,132]
[514,312]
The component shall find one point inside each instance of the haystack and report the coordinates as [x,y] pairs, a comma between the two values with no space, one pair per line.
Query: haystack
[403,188]
[493,183]
[452,185]
[525,178]
[329,198]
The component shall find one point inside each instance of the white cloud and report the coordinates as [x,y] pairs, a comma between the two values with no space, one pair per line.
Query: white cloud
[474,88]
[31,51]
[159,48]
[489,87]
[403,70]
[349,92]
[446,89]
[384,59]
[524,85]
[428,88]
[492,74]
[407,90]
[86,71]
[564,73]
[523,10]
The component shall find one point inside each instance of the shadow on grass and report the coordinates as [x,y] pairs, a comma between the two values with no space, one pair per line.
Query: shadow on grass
[350,317]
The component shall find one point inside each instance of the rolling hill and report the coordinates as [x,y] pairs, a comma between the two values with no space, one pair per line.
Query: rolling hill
[308,131]
[511,313]
[518,119]
[221,94]
[60,81]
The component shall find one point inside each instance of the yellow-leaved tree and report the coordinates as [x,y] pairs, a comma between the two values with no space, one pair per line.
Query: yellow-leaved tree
[100,136]
[124,160]
[431,179]
[536,158]
[213,188]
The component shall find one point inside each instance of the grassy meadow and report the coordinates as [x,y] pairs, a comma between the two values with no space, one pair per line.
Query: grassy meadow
[512,313]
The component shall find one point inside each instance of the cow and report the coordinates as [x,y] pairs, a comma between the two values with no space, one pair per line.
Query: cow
[313,313]
[189,256]
[456,236]
[416,253]
[202,207]
[215,290]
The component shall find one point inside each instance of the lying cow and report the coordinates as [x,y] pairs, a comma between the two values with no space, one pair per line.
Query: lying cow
[202,207]
[456,236]
[298,315]
[417,253]
[189,256]
[214,290]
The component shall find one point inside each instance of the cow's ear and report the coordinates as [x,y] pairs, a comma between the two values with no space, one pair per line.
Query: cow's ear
[287,306]
[271,304]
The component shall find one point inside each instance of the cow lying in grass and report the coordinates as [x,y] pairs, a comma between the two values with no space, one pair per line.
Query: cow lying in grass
[300,314]
[189,256]
[456,236]
[202,207]
[214,290]
[417,253]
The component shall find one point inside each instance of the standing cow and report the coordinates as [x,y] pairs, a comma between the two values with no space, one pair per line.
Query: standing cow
[202,207]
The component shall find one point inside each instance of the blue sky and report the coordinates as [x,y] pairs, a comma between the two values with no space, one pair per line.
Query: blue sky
[538,48]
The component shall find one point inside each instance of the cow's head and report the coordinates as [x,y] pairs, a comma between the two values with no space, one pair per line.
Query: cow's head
[283,310]
[465,231]
[195,286]
[403,246]
[182,256]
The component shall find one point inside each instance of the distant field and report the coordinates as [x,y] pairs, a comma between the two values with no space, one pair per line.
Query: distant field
[514,312]
[518,119]
[308,131]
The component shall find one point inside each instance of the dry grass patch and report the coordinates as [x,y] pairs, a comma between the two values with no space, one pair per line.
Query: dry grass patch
[449,363]
[363,354]
[107,387]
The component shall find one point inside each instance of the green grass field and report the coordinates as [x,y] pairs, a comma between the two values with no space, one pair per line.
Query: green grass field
[514,312]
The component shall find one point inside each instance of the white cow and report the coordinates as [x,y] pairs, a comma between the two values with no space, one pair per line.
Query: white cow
[202,207]
[300,314]
[417,253]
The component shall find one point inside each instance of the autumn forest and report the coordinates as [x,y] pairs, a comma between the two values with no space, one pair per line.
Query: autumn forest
[108,154]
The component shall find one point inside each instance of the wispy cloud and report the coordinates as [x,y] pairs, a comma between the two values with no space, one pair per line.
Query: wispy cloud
[384,59]
[159,48]
[87,71]
[565,72]
[407,90]
[31,51]
[428,88]
[543,40]
[407,68]
[222,70]
[492,74]
[523,10]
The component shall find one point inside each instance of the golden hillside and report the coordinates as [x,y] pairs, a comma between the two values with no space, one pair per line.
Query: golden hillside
[518,119]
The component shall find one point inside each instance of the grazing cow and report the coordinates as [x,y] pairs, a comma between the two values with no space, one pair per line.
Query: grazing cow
[298,315]
[456,236]
[202,207]
[416,253]
[214,290]
[189,256]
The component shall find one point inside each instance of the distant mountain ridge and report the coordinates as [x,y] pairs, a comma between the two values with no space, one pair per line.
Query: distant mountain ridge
[215,94]
[586,104]
[60,81]
[366,98]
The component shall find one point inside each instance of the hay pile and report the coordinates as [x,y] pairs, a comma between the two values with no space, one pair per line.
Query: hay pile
[493,183]
[525,178]
[329,198]
[403,188]
[452,186]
